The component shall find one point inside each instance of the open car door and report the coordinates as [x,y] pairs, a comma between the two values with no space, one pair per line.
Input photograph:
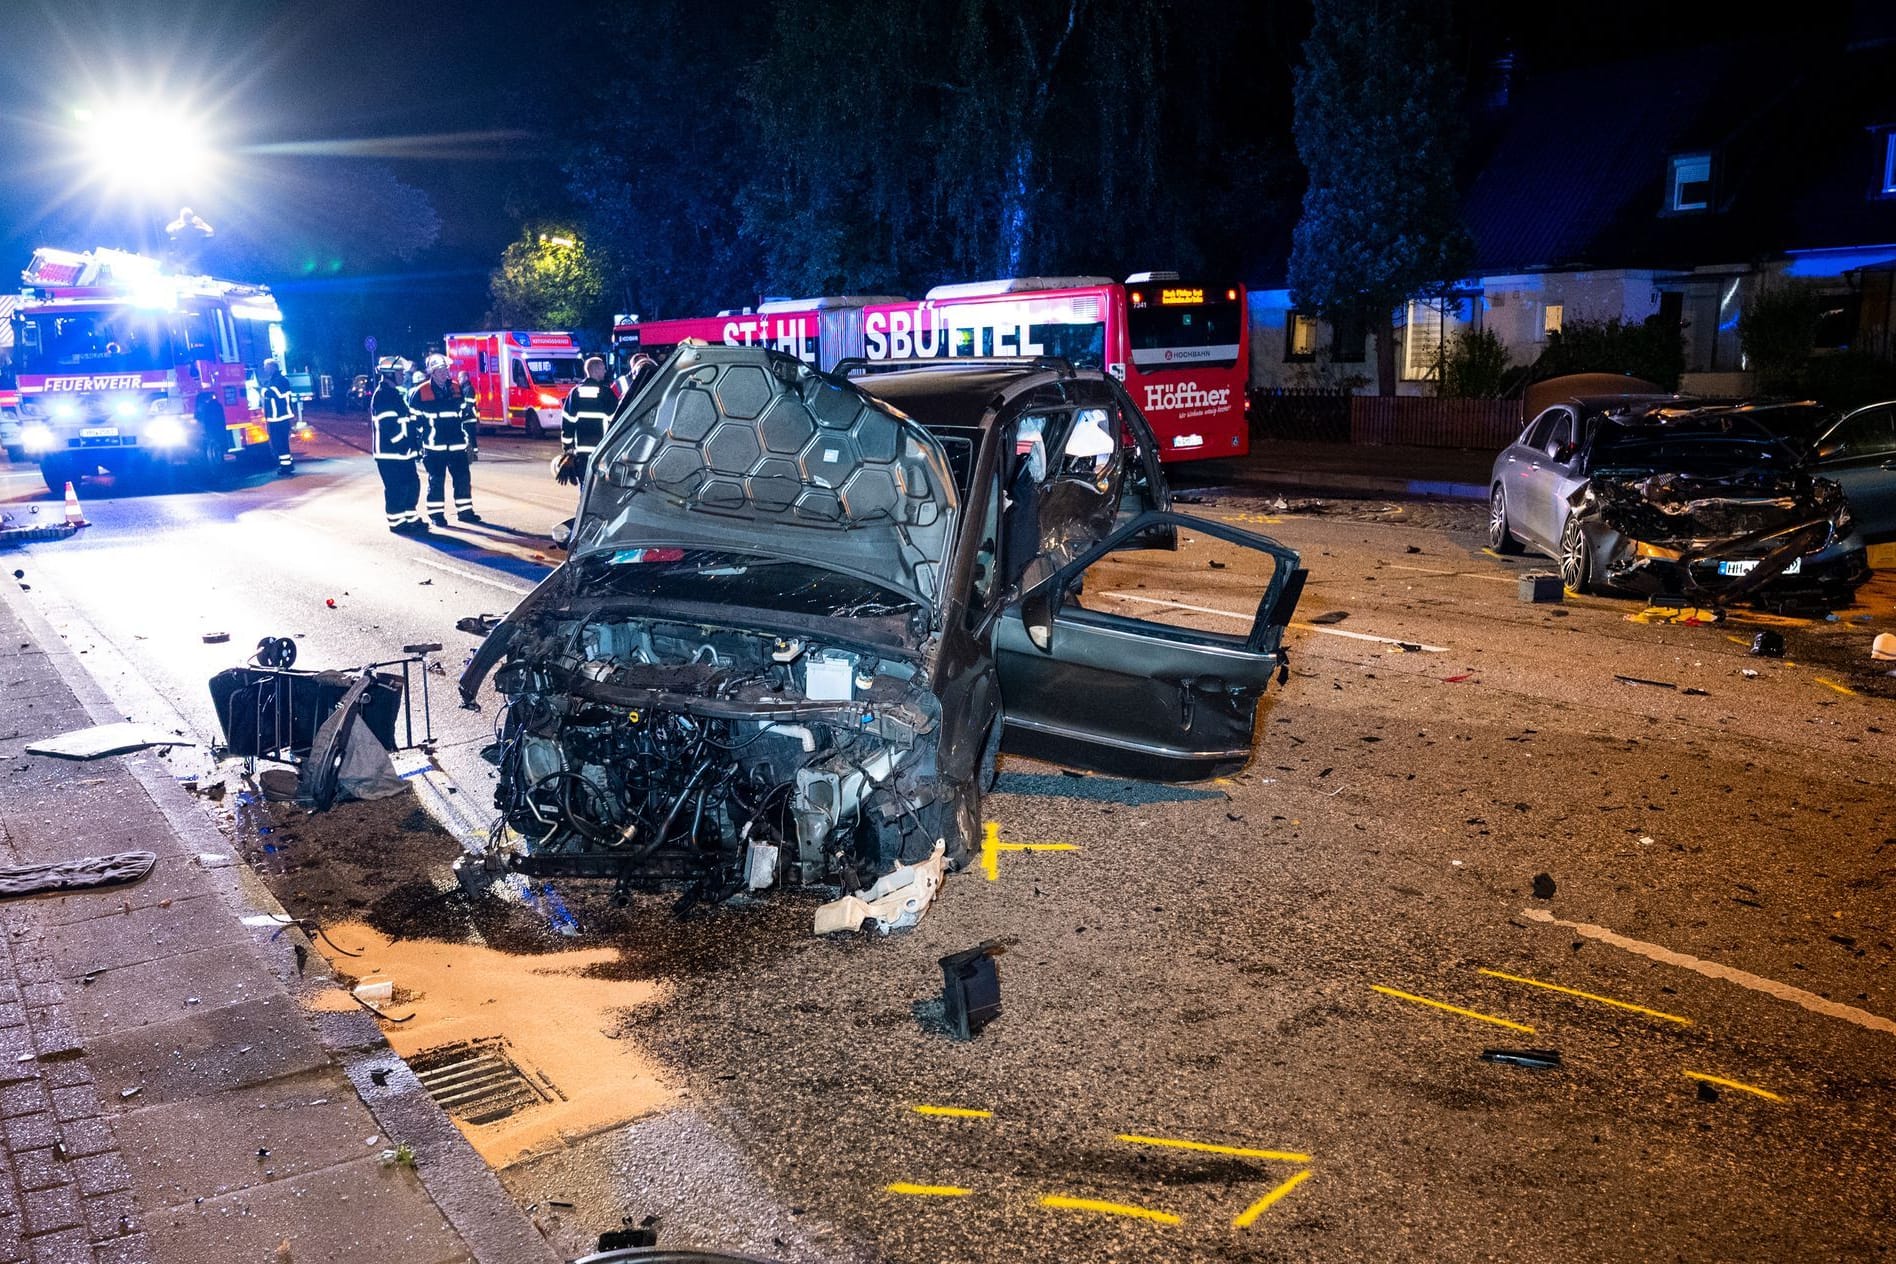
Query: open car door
[1116,694]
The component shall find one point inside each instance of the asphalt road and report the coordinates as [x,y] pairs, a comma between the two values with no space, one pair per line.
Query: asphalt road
[1242,1020]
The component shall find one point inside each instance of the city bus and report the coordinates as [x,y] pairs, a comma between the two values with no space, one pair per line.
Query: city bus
[1180,347]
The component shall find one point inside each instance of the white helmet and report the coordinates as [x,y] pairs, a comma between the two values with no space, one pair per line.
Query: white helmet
[436,361]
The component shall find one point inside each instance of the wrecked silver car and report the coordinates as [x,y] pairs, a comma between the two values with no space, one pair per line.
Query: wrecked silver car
[1670,496]
[802,615]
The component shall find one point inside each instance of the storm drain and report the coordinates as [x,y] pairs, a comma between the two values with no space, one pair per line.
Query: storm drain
[476,1081]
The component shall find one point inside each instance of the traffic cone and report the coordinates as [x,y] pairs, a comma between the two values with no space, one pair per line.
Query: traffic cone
[75,517]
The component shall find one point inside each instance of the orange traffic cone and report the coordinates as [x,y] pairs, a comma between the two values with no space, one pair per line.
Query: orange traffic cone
[75,517]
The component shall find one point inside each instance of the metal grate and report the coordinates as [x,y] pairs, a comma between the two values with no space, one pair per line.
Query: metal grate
[477,1081]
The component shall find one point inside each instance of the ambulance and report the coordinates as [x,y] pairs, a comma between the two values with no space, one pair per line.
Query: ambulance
[520,377]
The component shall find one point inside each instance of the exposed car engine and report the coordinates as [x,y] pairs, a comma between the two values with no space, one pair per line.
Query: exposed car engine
[654,751]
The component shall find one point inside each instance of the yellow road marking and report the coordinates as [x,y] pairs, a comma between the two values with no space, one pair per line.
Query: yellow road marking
[1064,1203]
[1453,1009]
[953,1112]
[1742,1088]
[992,847]
[1262,1205]
[928,1191]
[1590,996]
[1204,1147]
[1831,684]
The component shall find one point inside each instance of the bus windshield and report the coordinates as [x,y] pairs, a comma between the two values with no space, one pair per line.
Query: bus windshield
[1186,336]
[108,340]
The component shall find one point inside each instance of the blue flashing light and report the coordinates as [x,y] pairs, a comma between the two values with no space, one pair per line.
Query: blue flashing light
[1831,264]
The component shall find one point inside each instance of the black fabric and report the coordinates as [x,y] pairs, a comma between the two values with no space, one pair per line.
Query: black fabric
[265,714]
[278,403]
[442,467]
[401,489]
[83,874]
[395,437]
[280,444]
[437,409]
[589,406]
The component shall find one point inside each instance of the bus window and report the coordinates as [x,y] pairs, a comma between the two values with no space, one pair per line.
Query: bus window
[1185,336]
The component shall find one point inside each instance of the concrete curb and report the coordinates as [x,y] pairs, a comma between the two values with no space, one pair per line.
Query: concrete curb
[468,1195]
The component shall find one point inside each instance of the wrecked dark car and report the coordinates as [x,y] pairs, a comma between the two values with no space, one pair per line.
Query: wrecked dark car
[1663,495]
[802,614]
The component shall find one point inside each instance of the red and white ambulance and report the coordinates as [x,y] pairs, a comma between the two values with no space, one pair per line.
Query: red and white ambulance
[521,377]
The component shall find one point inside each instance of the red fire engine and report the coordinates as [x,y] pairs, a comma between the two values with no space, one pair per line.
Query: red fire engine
[1181,348]
[122,366]
[521,377]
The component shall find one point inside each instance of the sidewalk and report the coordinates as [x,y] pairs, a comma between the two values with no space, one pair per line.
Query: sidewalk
[1342,469]
[178,1079]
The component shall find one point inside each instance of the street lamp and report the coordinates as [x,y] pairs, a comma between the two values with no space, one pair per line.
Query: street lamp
[144,149]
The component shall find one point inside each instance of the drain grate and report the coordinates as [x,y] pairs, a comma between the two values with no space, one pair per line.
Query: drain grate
[476,1081]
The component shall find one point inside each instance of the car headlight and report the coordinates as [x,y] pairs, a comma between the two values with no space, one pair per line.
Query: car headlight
[165,432]
[38,438]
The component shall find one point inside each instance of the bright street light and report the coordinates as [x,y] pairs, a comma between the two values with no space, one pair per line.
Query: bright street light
[146,149]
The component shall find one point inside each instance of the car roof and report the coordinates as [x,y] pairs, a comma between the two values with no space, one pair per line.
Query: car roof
[960,396]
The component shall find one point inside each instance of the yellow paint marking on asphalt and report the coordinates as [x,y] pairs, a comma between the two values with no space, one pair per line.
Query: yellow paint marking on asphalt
[953,1112]
[1765,1093]
[1589,996]
[992,847]
[1831,684]
[1452,1009]
[1205,1147]
[928,1191]
[1062,1202]
[1250,1214]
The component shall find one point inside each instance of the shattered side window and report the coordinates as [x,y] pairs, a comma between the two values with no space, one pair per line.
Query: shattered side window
[1871,432]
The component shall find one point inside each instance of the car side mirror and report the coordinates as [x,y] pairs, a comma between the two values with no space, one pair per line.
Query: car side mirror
[1036,612]
[563,534]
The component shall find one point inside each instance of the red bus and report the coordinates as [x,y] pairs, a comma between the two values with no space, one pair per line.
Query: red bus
[1182,348]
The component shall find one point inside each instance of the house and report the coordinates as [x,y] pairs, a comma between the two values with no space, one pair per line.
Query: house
[1675,186]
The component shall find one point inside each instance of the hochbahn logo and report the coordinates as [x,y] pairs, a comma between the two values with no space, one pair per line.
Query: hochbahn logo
[1178,396]
[101,382]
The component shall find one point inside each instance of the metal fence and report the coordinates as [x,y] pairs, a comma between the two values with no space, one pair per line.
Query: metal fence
[1420,421]
[1300,413]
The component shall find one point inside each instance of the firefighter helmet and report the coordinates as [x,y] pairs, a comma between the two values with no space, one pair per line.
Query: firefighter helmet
[435,361]
[392,366]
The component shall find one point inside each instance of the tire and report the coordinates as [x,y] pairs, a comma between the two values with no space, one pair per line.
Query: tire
[536,429]
[1500,537]
[210,465]
[1576,558]
[58,471]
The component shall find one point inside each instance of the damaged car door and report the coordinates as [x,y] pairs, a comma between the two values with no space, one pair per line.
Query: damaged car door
[1112,693]
[1859,454]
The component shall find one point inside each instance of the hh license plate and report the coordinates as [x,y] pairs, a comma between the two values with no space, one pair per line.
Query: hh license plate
[1745,568]
[99,432]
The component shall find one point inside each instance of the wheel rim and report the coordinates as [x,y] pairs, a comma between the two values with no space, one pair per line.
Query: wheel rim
[1573,557]
[1497,519]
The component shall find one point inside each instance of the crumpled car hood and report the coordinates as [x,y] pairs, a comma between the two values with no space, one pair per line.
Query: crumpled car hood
[1703,512]
[747,450]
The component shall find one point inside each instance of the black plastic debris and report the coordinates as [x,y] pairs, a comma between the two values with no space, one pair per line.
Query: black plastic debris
[1768,644]
[478,624]
[970,990]
[1539,1059]
[1540,588]
[1706,1092]
[626,1239]
[1331,616]
[1641,680]
[1544,886]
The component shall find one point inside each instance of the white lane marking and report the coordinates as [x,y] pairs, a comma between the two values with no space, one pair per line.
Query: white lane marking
[479,579]
[1423,570]
[1307,627]
[1712,969]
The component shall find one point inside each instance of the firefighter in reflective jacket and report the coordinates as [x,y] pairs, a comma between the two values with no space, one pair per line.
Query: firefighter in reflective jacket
[589,406]
[436,403]
[279,414]
[397,448]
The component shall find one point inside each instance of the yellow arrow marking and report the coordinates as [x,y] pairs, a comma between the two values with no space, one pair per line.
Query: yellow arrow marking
[1765,1093]
[953,1112]
[1064,1203]
[1250,1214]
[1589,996]
[992,847]
[1452,1009]
[1203,1147]
[928,1191]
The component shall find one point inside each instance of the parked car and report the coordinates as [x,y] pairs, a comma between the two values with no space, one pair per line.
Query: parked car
[802,614]
[1858,452]
[1668,495]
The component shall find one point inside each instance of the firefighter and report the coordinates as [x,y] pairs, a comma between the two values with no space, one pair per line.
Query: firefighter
[279,415]
[470,415]
[589,406]
[397,448]
[437,407]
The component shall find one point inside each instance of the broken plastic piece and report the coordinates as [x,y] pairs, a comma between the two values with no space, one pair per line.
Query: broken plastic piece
[1641,680]
[896,902]
[1768,644]
[1330,616]
[216,638]
[1540,588]
[1542,1059]
[478,624]
[1543,886]
[375,990]
[760,865]
[102,740]
[970,991]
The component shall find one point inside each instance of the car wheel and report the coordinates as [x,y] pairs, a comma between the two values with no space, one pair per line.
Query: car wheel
[1576,558]
[536,429]
[58,471]
[1500,538]
[208,466]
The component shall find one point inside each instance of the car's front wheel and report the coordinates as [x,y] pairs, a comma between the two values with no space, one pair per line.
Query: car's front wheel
[1500,535]
[1576,558]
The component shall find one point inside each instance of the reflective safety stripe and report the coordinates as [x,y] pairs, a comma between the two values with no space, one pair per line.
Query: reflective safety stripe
[394,456]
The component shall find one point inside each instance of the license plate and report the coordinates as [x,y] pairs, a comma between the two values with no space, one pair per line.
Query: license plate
[99,432]
[1745,568]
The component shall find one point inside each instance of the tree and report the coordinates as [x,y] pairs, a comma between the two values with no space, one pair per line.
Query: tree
[1652,350]
[1777,332]
[1474,365]
[1377,124]
[549,279]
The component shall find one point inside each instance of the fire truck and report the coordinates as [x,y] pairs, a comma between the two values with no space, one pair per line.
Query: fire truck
[521,377]
[124,367]
[1181,347]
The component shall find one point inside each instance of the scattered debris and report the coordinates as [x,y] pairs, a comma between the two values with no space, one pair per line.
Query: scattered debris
[1329,617]
[478,624]
[1706,1092]
[402,1155]
[1544,886]
[1540,1059]
[134,1091]
[646,1234]
[1640,680]
[214,860]
[216,638]
[375,990]
[1456,680]
[330,602]
[970,990]
[379,1077]
[278,785]
[1409,647]
[1540,588]
[1883,648]
[84,874]
[1411,549]
[1749,673]
[895,902]
[104,739]
[1768,644]
[1691,692]
[1215,564]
